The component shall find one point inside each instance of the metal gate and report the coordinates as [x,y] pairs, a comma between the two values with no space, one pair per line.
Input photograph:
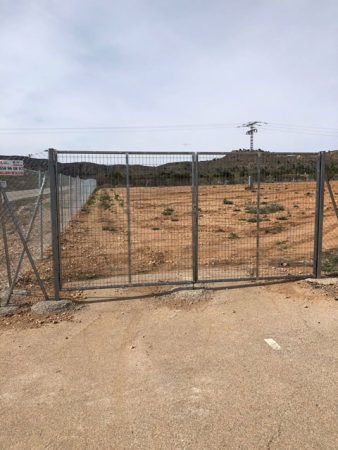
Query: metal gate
[135,219]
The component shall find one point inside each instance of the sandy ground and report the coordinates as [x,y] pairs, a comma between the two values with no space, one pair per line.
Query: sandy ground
[176,369]
[161,237]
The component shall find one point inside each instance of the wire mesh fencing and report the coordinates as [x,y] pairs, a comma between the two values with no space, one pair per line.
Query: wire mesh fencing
[135,227]
[158,218]
[26,228]
[25,224]
[330,222]
[123,219]
[287,207]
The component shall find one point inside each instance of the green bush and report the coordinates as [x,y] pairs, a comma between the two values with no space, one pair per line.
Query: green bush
[168,212]
[331,261]
[233,236]
[266,209]
[105,201]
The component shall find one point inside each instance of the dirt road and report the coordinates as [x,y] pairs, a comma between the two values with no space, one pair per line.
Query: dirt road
[188,370]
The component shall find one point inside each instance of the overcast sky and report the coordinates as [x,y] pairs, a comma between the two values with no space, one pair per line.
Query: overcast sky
[70,63]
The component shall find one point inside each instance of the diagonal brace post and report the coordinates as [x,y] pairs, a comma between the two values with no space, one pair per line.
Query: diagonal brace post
[333,200]
[24,240]
[5,241]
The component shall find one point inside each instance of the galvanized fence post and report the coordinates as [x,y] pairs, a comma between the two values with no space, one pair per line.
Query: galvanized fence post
[128,219]
[41,217]
[52,166]
[319,216]
[70,207]
[61,201]
[194,182]
[5,241]
[258,205]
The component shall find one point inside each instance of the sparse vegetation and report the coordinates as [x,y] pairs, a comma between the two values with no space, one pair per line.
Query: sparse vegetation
[266,209]
[274,230]
[283,245]
[105,201]
[233,236]
[330,264]
[168,211]
[110,228]
[228,202]
[119,199]
[254,220]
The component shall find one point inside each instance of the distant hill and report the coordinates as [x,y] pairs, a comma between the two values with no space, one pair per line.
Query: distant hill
[232,167]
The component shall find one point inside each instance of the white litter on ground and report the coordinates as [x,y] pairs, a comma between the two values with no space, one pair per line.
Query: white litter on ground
[273,344]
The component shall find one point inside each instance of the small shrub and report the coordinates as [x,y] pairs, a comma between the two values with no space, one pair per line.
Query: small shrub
[296,206]
[168,212]
[282,244]
[308,194]
[274,230]
[254,220]
[110,228]
[331,261]
[156,228]
[105,201]
[233,236]
[266,209]
[236,209]
[119,199]
[282,218]
[92,200]
[228,202]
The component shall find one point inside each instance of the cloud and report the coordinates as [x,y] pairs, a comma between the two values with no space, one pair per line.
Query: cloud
[75,64]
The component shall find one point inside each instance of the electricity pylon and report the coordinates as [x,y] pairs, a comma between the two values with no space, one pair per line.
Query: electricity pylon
[253,128]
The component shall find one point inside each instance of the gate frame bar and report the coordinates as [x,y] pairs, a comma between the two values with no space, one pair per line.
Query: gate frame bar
[319,215]
[194,234]
[55,220]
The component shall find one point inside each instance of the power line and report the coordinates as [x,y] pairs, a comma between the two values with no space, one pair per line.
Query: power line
[118,128]
[311,127]
[253,128]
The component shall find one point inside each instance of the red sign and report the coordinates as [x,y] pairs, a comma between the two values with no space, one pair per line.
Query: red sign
[11,167]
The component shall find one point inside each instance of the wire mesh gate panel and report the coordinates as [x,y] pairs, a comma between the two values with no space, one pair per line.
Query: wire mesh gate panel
[156,218]
[256,215]
[134,228]
[329,256]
